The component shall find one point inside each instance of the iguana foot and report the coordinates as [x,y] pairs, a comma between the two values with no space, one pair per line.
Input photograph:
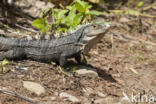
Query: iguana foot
[65,72]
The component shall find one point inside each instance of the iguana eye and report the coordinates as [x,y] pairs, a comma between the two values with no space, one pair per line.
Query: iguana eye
[95,26]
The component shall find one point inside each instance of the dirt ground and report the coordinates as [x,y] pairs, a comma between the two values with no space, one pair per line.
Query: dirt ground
[125,61]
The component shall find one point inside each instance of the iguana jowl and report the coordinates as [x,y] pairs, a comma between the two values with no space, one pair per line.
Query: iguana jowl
[58,50]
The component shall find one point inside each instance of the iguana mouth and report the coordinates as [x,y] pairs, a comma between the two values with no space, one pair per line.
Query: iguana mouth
[94,39]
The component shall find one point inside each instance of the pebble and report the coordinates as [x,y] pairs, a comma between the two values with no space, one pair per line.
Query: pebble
[88,91]
[86,70]
[100,94]
[69,97]
[34,87]
[124,19]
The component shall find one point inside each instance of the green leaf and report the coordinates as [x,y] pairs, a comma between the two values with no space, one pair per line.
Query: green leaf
[59,16]
[4,70]
[79,2]
[69,7]
[40,24]
[77,19]
[74,69]
[140,4]
[132,12]
[61,29]
[88,6]
[83,7]
[53,63]
[94,12]
[61,13]
[80,8]
[4,62]
[69,20]
[6,26]
[46,12]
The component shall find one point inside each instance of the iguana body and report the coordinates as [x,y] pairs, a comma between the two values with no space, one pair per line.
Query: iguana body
[57,50]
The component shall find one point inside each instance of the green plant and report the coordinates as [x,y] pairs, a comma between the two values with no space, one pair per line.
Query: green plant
[53,63]
[63,20]
[41,24]
[6,26]
[140,4]
[142,45]
[129,2]
[132,49]
[139,58]
[3,64]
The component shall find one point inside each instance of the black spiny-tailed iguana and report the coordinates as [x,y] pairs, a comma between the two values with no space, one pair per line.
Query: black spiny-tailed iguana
[59,50]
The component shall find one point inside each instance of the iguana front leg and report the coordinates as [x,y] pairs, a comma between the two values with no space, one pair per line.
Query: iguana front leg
[63,60]
[15,54]
[78,58]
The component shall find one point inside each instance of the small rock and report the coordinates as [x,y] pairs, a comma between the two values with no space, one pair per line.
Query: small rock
[34,87]
[87,70]
[49,5]
[23,68]
[52,98]
[154,7]
[39,4]
[100,94]
[88,91]
[95,52]
[69,97]
[96,59]
[116,75]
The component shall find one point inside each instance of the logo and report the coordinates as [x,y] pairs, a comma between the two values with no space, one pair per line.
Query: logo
[138,98]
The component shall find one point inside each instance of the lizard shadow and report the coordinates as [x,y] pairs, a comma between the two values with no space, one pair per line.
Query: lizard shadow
[106,76]
[101,72]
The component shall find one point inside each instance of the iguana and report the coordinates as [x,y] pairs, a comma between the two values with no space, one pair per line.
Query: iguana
[78,42]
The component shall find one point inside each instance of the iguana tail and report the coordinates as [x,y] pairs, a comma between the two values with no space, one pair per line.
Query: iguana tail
[7,43]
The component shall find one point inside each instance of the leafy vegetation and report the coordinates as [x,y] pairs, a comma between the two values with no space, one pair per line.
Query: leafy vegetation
[41,24]
[65,19]
[3,68]
[139,58]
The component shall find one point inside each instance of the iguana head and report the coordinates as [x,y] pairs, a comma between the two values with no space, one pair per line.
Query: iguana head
[92,34]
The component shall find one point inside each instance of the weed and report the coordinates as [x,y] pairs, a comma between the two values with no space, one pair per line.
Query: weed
[139,58]
[132,49]
[3,68]
[142,45]
[65,19]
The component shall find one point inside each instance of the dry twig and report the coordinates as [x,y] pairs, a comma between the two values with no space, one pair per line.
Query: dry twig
[14,94]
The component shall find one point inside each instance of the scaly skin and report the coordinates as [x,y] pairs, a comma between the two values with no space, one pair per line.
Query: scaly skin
[56,50]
